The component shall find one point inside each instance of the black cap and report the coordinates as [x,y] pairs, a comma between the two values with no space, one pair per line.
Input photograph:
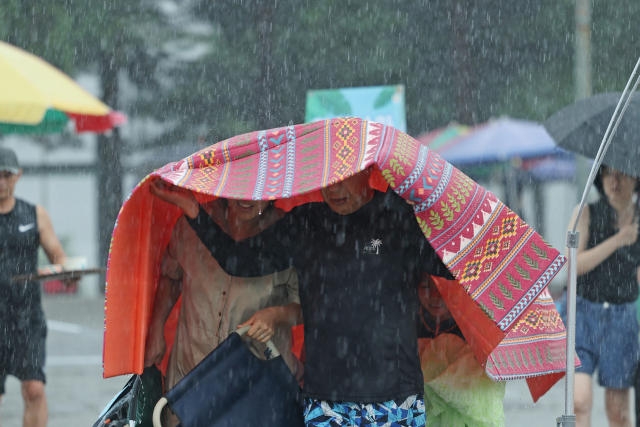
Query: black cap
[9,161]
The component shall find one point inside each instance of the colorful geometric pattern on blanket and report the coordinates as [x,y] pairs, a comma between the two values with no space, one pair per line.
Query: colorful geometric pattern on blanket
[534,346]
[409,413]
[501,262]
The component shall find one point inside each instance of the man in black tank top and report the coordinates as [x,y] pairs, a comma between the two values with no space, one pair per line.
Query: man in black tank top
[23,228]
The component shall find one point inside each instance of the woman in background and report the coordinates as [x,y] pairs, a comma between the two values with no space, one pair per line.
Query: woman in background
[607,288]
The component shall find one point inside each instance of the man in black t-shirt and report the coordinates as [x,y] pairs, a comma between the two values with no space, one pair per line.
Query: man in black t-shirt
[23,229]
[358,257]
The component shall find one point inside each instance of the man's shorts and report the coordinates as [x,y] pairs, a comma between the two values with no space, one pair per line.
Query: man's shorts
[407,413]
[607,339]
[22,352]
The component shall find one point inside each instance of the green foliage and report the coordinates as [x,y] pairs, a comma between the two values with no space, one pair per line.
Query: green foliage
[464,61]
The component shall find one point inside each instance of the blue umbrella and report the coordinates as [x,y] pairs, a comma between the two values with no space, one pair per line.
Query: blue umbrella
[501,141]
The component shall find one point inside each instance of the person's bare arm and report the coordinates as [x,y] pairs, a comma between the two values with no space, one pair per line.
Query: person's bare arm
[263,322]
[48,238]
[167,294]
[588,259]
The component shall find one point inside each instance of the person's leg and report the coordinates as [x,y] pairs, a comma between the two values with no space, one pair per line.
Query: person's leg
[29,370]
[35,404]
[619,357]
[583,399]
[617,405]
[588,319]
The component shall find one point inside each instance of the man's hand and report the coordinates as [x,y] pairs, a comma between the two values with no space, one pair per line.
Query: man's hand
[155,348]
[70,282]
[262,324]
[178,196]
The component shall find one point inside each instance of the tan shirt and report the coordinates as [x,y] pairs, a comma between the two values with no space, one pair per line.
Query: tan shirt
[214,303]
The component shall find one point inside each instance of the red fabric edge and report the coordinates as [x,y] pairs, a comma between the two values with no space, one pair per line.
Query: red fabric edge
[539,386]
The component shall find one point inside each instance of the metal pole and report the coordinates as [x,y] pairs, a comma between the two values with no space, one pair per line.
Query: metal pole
[582,73]
[572,243]
[569,418]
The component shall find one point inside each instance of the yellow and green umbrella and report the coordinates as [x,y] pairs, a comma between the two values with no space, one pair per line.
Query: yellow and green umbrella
[37,98]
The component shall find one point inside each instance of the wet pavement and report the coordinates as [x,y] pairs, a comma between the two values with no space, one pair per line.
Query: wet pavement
[77,393]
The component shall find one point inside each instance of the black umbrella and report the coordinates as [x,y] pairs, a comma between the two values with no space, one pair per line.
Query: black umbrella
[580,128]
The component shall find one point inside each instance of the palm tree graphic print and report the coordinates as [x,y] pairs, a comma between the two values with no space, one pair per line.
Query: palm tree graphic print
[375,244]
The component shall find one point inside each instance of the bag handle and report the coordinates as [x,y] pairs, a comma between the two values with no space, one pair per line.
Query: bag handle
[157,411]
[272,350]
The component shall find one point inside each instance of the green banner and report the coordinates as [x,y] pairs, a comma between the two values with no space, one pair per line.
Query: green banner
[383,104]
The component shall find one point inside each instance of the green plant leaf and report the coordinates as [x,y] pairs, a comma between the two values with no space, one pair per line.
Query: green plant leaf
[384,97]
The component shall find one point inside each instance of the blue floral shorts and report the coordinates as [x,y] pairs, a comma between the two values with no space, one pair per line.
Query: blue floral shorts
[408,413]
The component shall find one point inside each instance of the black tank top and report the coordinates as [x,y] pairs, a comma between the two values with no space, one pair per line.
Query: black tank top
[19,242]
[614,280]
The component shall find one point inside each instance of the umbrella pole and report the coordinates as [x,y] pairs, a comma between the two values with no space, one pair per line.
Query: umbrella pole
[569,418]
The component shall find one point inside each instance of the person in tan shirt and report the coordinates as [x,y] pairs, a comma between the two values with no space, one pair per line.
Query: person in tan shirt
[215,304]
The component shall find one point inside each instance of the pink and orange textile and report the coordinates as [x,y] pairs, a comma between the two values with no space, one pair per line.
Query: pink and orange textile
[502,265]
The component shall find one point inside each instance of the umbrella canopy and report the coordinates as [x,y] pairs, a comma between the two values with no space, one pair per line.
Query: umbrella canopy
[502,265]
[580,128]
[479,150]
[495,141]
[36,97]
